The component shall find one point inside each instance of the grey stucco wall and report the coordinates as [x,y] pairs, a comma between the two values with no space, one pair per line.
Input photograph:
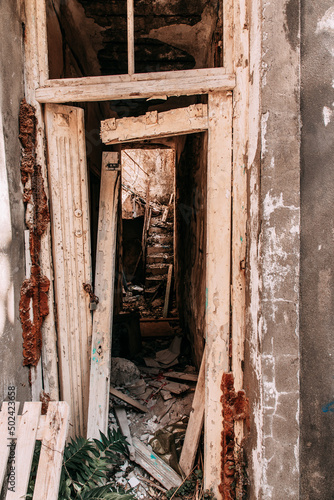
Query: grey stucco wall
[11,206]
[317,241]
[272,346]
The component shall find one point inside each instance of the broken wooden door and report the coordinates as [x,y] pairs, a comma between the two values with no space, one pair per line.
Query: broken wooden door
[67,171]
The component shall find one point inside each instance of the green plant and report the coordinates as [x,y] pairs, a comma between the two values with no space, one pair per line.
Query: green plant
[86,465]
[192,487]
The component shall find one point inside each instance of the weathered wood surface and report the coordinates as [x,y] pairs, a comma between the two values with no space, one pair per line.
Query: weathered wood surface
[128,400]
[31,426]
[194,118]
[36,71]
[131,37]
[5,436]
[195,424]
[190,377]
[25,445]
[155,466]
[103,315]
[123,424]
[217,277]
[109,88]
[52,450]
[72,254]
[168,288]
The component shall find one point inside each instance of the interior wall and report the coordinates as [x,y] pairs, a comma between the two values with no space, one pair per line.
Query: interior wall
[12,257]
[317,238]
[191,184]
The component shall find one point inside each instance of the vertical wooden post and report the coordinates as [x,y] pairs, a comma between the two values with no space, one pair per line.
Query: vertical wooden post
[218,277]
[36,70]
[229,35]
[103,316]
[131,37]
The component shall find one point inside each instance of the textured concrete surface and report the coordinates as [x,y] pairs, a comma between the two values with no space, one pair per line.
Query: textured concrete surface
[317,277]
[12,260]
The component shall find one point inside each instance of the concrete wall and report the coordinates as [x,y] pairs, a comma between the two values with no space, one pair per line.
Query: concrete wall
[12,260]
[317,239]
[272,347]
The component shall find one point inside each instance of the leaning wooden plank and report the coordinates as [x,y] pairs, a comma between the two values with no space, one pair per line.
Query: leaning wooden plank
[79,91]
[194,118]
[25,445]
[72,254]
[218,277]
[123,423]
[168,287]
[176,388]
[190,377]
[128,400]
[52,450]
[8,417]
[195,425]
[103,316]
[156,467]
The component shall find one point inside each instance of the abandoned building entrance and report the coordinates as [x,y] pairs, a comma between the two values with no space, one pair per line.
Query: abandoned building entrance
[166,180]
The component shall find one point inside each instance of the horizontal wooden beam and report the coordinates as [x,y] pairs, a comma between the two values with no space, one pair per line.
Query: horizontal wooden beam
[145,85]
[152,125]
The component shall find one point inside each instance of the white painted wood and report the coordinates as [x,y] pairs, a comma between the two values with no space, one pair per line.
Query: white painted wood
[72,254]
[5,437]
[80,91]
[218,277]
[155,466]
[239,216]
[195,424]
[103,315]
[229,35]
[131,37]
[32,81]
[153,124]
[52,450]
[26,439]
[168,288]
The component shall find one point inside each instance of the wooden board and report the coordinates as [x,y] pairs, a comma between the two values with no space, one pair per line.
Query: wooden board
[123,424]
[128,400]
[25,445]
[72,254]
[5,422]
[195,424]
[35,73]
[218,277]
[155,466]
[52,449]
[188,120]
[155,329]
[168,288]
[131,38]
[103,315]
[190,377]
[109,88]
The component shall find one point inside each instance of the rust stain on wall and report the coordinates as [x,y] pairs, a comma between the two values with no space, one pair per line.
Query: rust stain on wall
[235,406]
[35,289]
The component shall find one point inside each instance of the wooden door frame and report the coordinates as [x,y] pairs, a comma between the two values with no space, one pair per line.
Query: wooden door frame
[233,77]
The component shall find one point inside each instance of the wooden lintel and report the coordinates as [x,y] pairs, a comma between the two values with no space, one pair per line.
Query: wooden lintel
[134,87]
[168,123]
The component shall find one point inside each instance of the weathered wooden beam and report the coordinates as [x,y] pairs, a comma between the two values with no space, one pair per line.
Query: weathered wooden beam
[218,277]
[131,37]
[72,257]
[89,89]
[103,316]
[168,123]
